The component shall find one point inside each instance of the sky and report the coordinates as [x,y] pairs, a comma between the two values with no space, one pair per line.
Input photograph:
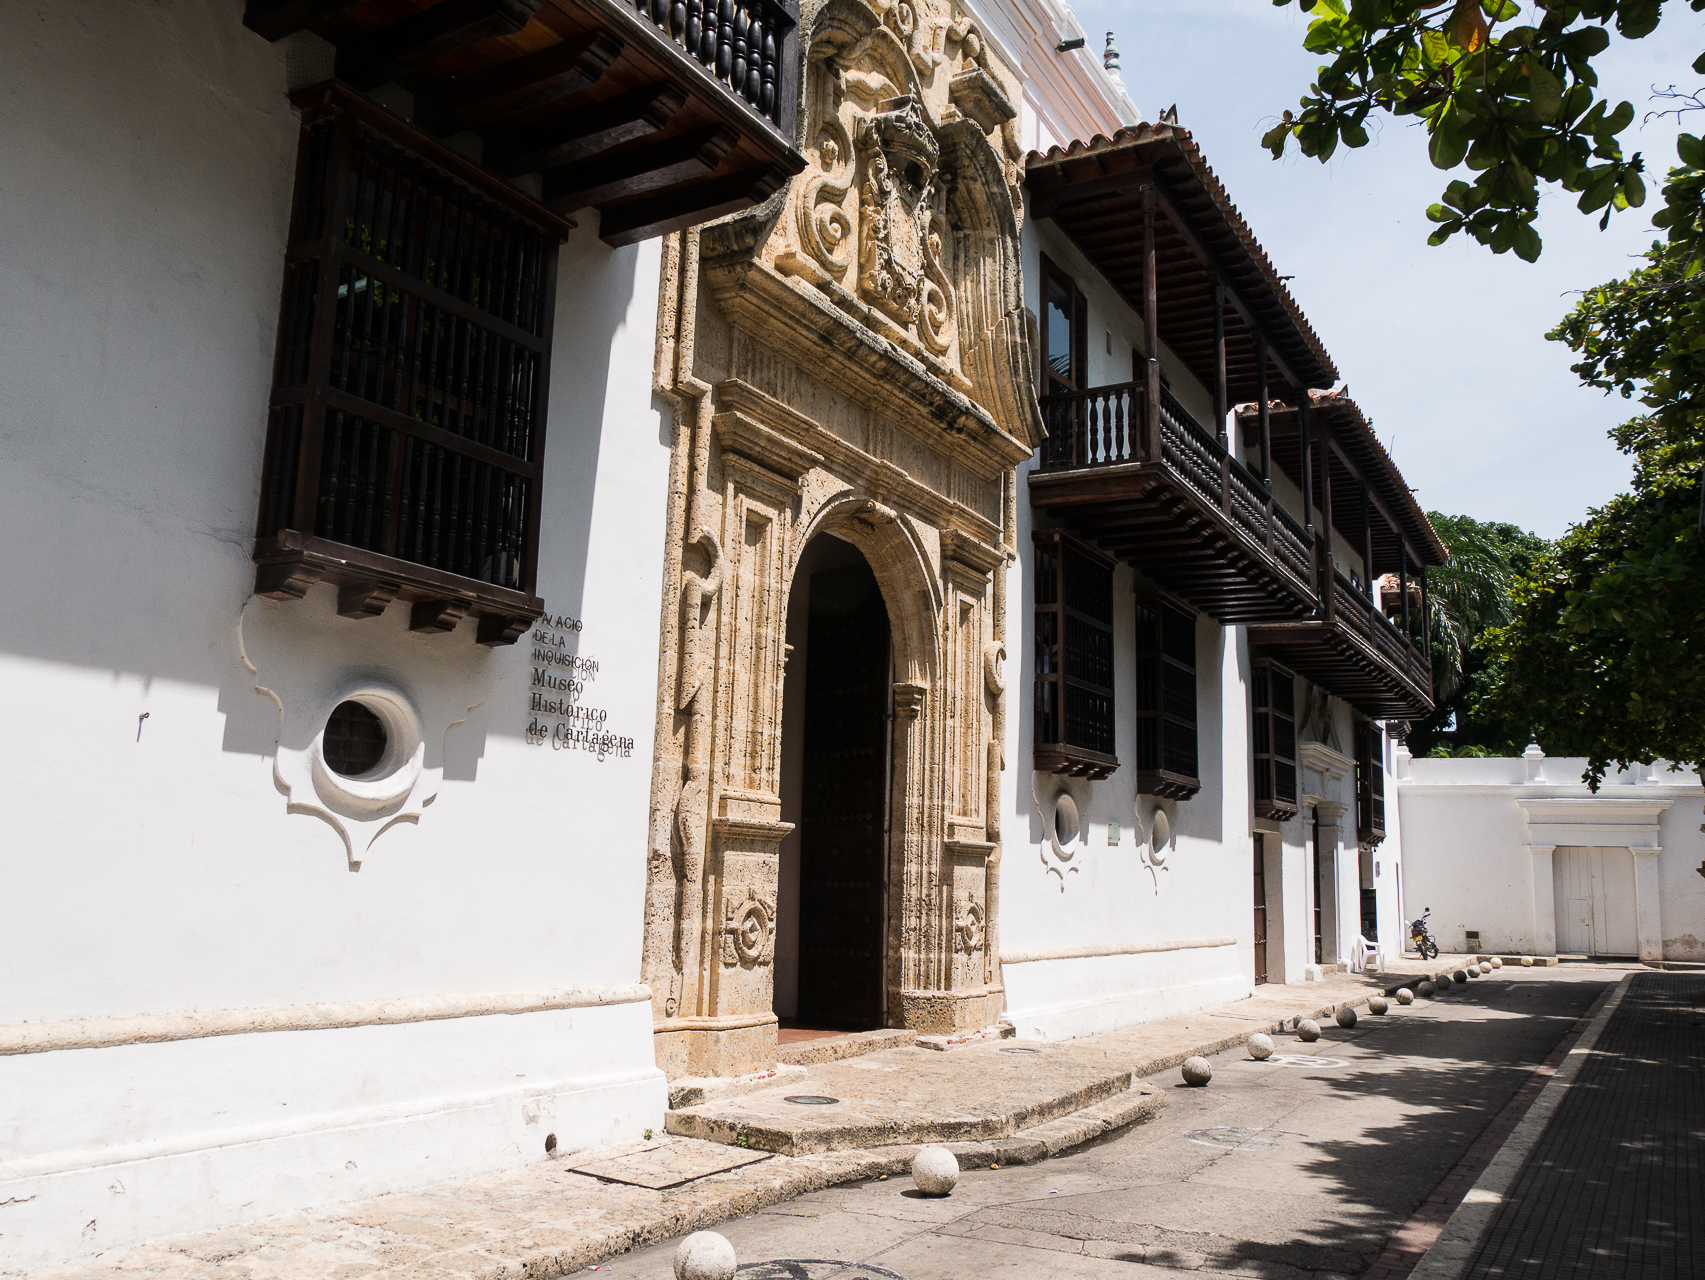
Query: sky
[1444,348]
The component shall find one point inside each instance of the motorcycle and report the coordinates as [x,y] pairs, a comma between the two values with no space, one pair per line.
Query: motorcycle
[1421,939]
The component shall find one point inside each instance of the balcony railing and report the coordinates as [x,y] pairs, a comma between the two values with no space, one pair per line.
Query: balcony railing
[746,45]
[1103,427]
[1354,612]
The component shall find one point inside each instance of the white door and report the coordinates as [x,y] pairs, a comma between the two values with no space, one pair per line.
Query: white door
[1616,931]
[1595,901]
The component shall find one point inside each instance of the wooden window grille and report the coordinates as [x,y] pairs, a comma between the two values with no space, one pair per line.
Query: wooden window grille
[407,429]
[1273,699]
[1074,657]
[1370,784]
[1166,699]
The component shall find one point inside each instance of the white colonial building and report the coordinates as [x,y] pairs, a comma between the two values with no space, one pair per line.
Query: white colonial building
[603,530]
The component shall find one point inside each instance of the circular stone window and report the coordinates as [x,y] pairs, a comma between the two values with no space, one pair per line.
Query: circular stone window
[354,741]
[369,754]
[1065,818]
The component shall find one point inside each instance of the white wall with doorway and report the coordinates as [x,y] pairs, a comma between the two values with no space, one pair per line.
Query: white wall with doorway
[224,996]
[1520,852]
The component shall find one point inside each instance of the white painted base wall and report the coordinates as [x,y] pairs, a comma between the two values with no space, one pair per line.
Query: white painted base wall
[1060,999]
[134,1142]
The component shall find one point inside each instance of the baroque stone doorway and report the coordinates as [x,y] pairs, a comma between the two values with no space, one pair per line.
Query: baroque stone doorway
[836,775]
[851,357]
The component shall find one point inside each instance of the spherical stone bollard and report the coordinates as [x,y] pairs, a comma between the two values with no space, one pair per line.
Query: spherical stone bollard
[1442,982]
[1197,1072]
[704,1255]
[1497,962]
[1405,996]
[1527,962]
[1485,967]
[1459,975]
[1346,1017]
[1308,1029]
[1424,988]
[1379,1006]
[935,1171]
[1260,1046]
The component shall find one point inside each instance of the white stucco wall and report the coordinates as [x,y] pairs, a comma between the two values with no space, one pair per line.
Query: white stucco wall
[153,865]
[1480,840]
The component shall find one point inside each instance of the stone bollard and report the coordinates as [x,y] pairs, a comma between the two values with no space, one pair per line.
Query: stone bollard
[1405,996]
[1459,975]
[1346,1017]
[1442,982]
[1527,962]
[1485,967]
[935,1171]
[1260,1046]
[1425,987]
[1197,1072]
[704,1255]
[1497,962]
[1308,1029]
[1379,1006]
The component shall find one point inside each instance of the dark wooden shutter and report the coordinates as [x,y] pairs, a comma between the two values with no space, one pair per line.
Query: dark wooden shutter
[1074,708]
[1273,721]
[1370,785]
[406,438]
[1166,699]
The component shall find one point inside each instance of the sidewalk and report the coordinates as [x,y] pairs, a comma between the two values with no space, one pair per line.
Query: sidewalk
[993,1106]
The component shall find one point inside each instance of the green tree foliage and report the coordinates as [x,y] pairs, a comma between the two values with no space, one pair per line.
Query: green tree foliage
[1469,596]
[1605,650]
[1516,100]
[1604,655]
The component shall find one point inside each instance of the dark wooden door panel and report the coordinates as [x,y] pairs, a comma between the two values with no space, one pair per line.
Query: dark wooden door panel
[1260,913]
[846,777]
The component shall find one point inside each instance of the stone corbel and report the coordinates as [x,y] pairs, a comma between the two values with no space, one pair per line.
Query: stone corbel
[909,700]
[750,439]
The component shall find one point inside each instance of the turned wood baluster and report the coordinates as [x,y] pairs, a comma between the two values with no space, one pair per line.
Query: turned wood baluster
[754,86]
[767,92]
[677,18]
[695,26]
[724,38]
[737,72]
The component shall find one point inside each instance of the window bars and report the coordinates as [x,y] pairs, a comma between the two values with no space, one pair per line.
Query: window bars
[406,436]
[1074,721]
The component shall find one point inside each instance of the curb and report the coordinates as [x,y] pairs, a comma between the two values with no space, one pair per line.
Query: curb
[1454,1250]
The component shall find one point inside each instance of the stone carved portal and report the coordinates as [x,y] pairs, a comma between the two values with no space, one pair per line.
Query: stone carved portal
[852,358]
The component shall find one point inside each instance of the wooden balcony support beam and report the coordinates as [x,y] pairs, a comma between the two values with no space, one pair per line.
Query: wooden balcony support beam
[535,80]
[423,37]
[646,168]
[275,19]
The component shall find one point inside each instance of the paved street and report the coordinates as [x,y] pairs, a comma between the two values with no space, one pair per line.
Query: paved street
[1276,1170]
[1615,1187]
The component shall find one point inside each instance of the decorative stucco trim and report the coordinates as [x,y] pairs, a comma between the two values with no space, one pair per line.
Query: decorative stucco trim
[154,1028]
[1112,949]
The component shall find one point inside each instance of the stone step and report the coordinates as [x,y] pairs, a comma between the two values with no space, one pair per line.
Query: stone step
[809,1053]
[978,1093]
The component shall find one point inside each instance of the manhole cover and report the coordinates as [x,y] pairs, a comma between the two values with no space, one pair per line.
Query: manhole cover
[811,1100]
[817,1269]
[1303,1060]
[1236,1138]
[1021,1050]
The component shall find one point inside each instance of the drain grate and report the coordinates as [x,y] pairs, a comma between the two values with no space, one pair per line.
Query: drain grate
[811,1100]
[816,1269]
[1020,1050]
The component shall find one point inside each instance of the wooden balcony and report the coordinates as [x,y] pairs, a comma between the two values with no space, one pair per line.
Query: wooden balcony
[658,115]
[1150,485]
[1351,649]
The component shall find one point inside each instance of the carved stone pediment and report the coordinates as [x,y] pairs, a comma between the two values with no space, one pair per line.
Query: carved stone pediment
[903,230]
